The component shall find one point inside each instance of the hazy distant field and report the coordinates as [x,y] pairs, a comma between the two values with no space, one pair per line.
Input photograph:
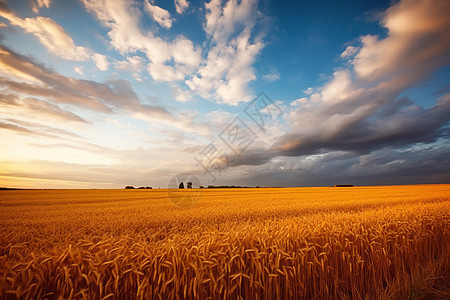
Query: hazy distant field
[327,243]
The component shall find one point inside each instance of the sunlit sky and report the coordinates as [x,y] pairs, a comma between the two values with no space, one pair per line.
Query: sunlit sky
[109,93]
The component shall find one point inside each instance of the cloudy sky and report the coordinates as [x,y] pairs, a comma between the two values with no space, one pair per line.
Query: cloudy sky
[108,93]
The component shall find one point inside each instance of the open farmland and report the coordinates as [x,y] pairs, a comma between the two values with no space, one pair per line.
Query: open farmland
[277,243]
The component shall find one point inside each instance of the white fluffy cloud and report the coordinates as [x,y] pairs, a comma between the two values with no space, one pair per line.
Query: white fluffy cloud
[50,34]
[79,70]
[37,4]
[272,76]
[417,35]
[223,20]
[181,6]
[349,51]
[53,36]
[227,71]
[168,60]
[101,62]
[341,87]
[133,64]
[160,15]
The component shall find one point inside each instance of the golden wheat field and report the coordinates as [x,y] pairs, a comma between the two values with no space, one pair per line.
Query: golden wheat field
[388,242]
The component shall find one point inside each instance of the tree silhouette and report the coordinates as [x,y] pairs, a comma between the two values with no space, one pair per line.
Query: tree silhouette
[189,185]
[181,186]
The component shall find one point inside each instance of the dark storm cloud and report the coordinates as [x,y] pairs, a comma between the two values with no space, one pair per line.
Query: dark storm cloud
[251,158]
[391,126]
[429,164]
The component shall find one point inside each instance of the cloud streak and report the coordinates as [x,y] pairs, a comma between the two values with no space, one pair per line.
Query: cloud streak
[33,106]
[115,96]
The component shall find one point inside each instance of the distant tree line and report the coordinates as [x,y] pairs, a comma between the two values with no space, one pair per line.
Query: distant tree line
[130,187]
